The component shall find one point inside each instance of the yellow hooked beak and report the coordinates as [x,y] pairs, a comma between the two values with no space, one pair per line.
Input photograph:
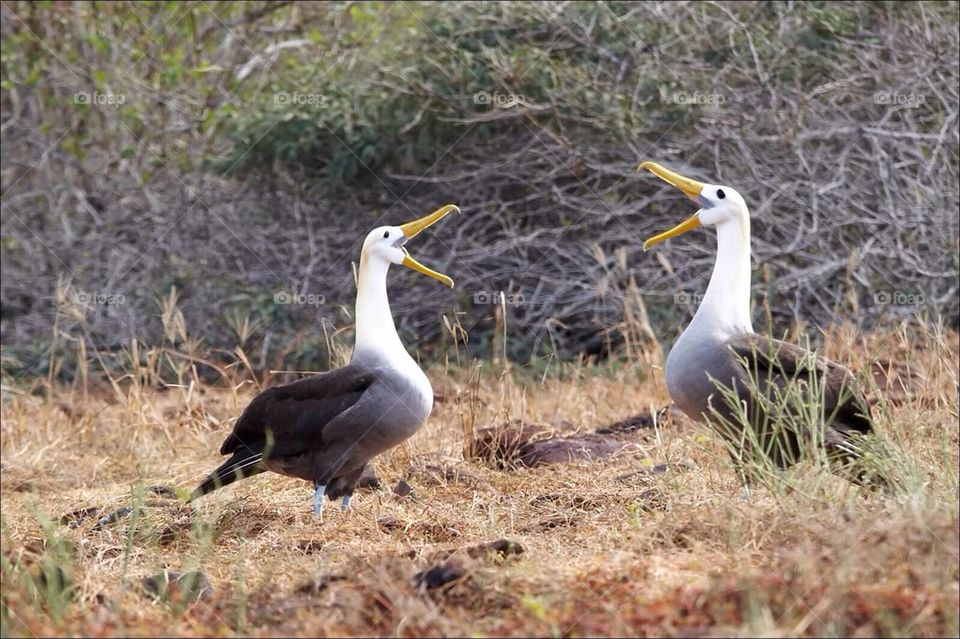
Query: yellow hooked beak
[412,229]
[691,188]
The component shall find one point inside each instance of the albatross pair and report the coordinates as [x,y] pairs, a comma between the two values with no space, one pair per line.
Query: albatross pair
[719,351]
[327,427]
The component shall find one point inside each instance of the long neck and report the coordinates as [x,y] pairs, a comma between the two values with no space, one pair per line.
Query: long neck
[376,335]
[726,304]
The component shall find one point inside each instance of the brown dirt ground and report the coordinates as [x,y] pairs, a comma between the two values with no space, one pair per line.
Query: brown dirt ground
[619,546]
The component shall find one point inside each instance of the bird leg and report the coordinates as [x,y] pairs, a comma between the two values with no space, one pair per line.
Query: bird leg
[345,502]
[318,500]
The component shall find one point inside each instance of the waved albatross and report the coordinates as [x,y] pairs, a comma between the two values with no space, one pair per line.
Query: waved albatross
[719,366]
[327,427]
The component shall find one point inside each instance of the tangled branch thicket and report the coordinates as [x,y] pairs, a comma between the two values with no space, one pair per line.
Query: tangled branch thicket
[255,143]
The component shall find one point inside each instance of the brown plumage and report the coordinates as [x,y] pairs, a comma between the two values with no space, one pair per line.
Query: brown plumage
[292,430]
[764,362]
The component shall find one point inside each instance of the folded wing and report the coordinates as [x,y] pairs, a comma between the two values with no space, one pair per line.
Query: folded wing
[286,421]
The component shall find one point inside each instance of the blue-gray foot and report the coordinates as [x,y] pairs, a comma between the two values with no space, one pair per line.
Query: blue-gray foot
[318,500]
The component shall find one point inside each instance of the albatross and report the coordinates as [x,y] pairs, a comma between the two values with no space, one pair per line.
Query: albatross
[720,371]
[325,428]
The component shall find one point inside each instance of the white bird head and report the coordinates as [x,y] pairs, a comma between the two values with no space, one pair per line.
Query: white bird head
[387,243]
[719,204]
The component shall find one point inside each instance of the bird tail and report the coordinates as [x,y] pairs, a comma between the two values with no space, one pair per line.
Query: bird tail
[246,462]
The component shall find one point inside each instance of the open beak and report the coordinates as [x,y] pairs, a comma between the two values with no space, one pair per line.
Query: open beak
[412,229]
[691,188]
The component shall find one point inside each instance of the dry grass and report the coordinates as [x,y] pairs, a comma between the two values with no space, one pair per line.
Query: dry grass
[613,547]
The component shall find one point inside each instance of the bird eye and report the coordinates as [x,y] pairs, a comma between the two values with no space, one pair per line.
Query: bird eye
[386,233]
[721,194]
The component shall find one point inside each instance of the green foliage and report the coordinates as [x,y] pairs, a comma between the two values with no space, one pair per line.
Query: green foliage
[43,573]
[456,71]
